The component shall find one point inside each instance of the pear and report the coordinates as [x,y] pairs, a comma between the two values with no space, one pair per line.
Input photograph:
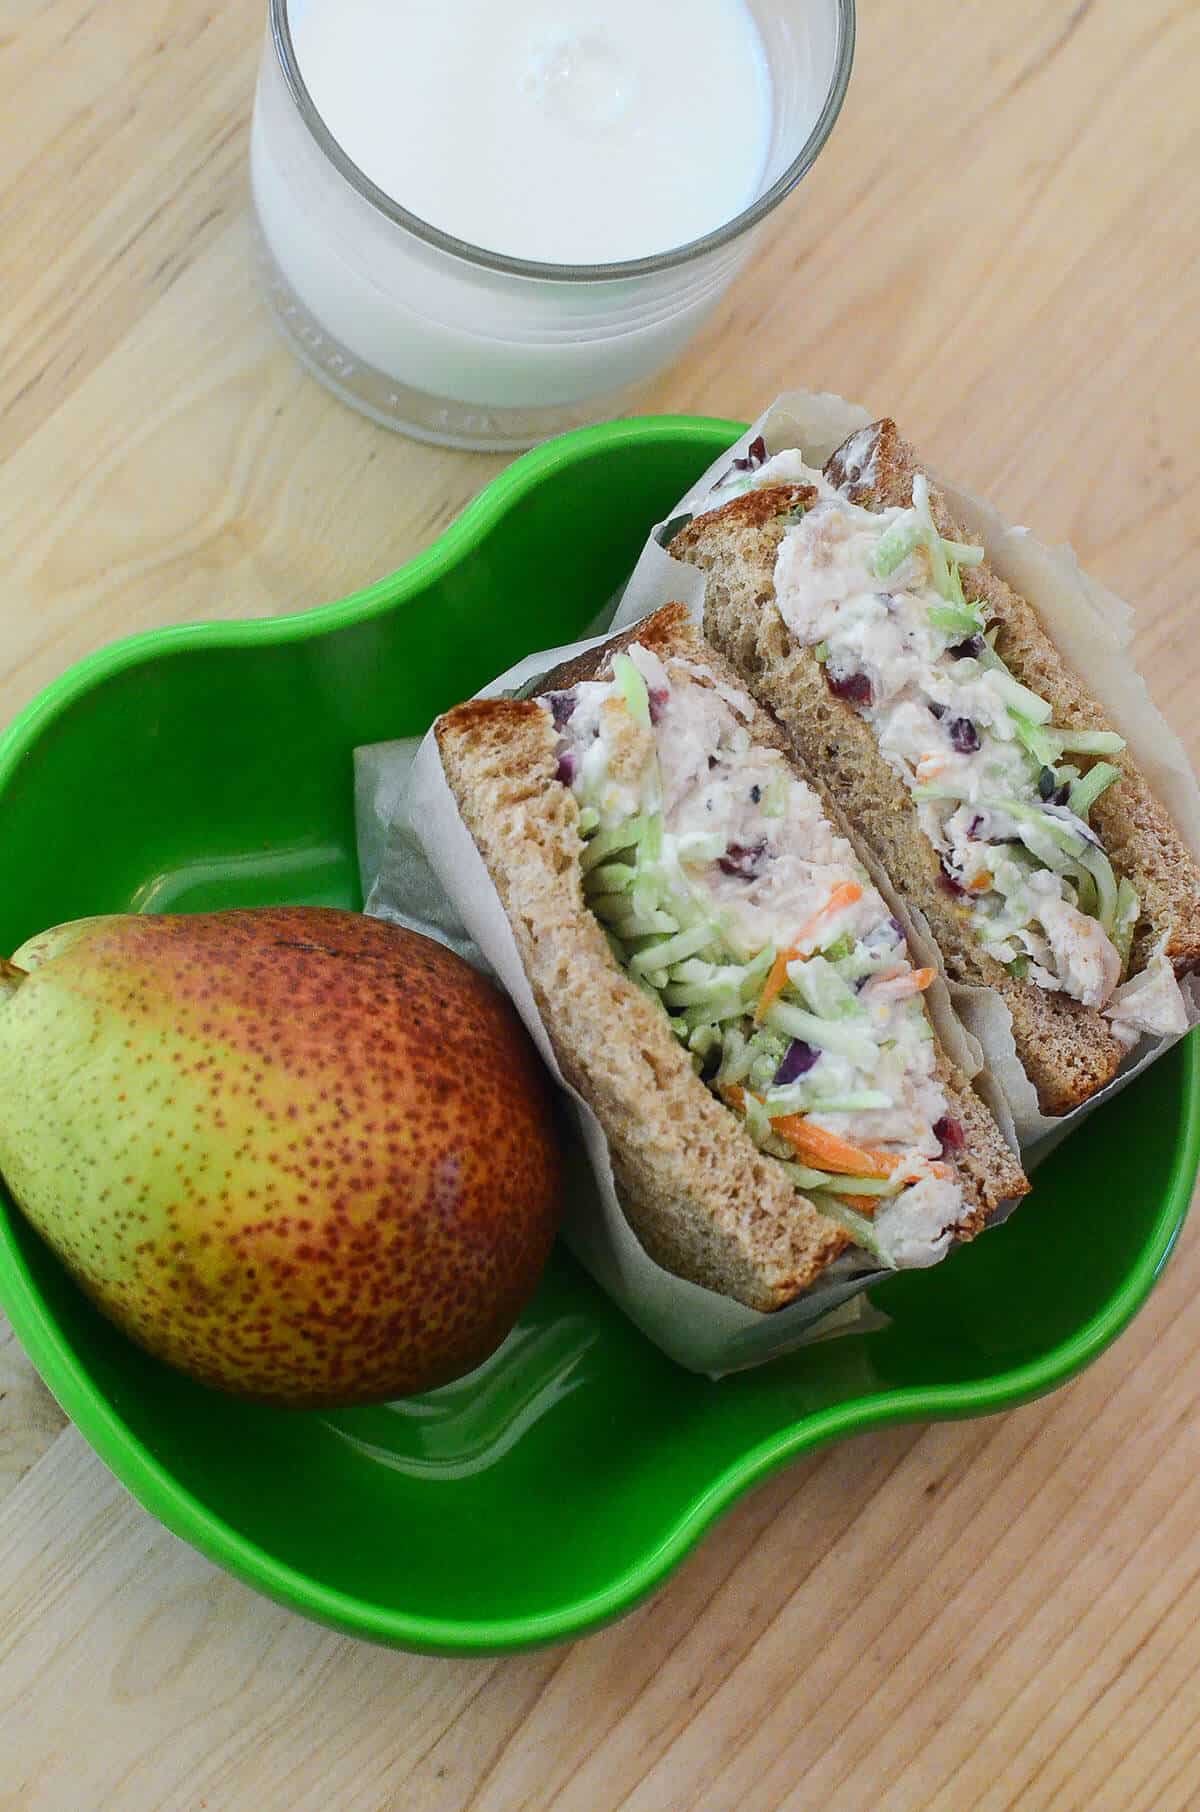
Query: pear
[305,1156]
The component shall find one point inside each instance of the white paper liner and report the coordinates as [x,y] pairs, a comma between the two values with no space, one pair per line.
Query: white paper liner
[421,869]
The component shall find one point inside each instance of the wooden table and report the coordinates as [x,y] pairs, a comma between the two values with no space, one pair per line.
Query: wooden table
[1000,246]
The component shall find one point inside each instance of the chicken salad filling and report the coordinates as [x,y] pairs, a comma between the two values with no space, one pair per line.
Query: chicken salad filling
[727,894]
[999,791]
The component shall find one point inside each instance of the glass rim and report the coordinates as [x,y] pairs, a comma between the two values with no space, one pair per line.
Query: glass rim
[724,235]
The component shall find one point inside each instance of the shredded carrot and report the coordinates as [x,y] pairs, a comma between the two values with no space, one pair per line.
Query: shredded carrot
[930,766]
[776,982]
[826,1151]
[981,883]
[899,987]
[862,1204]
[841,897]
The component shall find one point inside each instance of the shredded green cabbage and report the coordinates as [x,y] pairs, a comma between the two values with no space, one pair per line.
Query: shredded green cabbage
[1086,791]
[955,620]
[1125,919]
[632,688]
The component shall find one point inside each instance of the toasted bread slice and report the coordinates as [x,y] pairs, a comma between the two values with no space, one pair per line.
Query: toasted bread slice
[1142,842]
[1069,1051]
[704,1202]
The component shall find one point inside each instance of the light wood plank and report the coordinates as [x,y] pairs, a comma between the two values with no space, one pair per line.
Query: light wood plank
[30,1419]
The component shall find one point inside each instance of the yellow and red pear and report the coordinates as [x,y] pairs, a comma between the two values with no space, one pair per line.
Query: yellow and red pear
[303,1155]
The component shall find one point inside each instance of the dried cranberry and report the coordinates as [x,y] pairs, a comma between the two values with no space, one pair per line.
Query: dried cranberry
[967,650]
[951,1134]
[658,696]
[798,1059]
[854,687]
[756,455]
[963,735]
[948,883]
[565,771]
[562,707]
[743,860]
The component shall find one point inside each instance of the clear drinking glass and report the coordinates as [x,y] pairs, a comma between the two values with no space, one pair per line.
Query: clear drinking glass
[469,348]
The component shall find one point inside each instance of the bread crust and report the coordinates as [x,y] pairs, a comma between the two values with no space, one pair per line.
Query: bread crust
[704,1202]
[1069,1051]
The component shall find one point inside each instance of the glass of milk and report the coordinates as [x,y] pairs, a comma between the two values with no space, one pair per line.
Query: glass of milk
[483,222]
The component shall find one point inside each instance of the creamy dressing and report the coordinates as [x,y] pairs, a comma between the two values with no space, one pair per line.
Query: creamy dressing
[943,715]
[748,866]
[944,720]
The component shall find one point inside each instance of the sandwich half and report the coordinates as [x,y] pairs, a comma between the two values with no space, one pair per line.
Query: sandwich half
[719,978]
[992,789]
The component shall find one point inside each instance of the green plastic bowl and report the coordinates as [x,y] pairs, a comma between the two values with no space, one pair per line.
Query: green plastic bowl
[210,766]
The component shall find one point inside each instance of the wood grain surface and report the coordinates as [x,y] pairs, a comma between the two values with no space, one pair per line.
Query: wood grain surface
[1001,245]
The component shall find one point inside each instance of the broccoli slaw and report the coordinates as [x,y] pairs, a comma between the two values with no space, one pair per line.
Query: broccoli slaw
[878,595]
[727,894]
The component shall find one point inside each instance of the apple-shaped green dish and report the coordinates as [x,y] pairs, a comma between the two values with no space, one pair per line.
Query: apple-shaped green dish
[211,766]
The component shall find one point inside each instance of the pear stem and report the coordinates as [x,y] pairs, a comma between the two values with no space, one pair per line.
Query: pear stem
[10,978]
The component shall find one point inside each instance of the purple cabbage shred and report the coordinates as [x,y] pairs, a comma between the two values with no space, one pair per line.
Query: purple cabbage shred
[562,707]
[798,1059]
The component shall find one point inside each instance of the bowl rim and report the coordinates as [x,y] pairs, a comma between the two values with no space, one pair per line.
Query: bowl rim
[153,1484]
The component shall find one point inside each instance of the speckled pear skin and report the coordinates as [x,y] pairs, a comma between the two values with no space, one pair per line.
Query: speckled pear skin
[308,1157]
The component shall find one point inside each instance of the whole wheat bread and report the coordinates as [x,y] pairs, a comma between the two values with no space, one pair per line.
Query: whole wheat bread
[704,1202]
[1068,1050]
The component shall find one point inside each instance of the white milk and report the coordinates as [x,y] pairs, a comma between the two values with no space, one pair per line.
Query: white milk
[556,131]
[567,131]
